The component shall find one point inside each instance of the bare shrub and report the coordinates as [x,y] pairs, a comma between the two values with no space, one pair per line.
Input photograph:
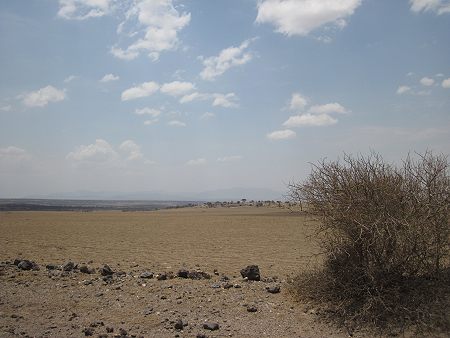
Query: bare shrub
[384,231]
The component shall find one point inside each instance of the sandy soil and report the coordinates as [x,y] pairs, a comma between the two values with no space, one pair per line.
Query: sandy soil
[218,241]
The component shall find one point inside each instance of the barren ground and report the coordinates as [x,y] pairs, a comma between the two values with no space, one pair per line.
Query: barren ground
[62,304]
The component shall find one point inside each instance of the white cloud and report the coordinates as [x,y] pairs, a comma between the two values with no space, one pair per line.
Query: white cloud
[143,90]
[446,83]
[328,108]
[300,17]
[70,78]
[156,23]
[194,96]
[207,116]
[437,6]
[100,151]
[225,100]
[44,96]
[298,102]
[131,150]
[227,58]
[83,9]
[176,123]
[148,111]
[6,108]
[403,90]
[231,158]
[109,78]
[151,122]
[426,81]
[281,135]
[198,161]
[177,88]
[310,120]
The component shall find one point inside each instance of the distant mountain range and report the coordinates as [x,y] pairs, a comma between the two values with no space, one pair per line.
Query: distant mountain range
[211,195]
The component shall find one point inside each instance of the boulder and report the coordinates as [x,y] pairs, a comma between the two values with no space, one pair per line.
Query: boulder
[251,272]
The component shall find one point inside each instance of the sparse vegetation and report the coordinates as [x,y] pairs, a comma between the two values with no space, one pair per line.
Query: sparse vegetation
[384,233]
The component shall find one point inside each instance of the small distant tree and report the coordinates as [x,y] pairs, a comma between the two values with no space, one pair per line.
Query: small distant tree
[385,236]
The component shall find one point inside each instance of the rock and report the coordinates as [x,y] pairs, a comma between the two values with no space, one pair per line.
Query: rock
[25,264]
[211,326]
[237,286]
[88,331]
[179,325]
[106,270]
[161,276]
[17,261]
[123,332]
[148,311]
[224,278]
[252,309]
[227,286]
[183,273]
[216,272]
[69,266]
[273,289]
[86,269]
[251,272]
[146,275]
[201,335]
[109,329]
[198,275]
[52,267]
[215,286]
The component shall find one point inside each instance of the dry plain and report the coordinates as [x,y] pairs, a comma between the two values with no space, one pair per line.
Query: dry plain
[218,241]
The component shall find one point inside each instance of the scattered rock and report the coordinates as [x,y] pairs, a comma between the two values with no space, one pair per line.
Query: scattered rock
[69,266]
[88,331]
[251,272]
[17,261]
[215,286]
[237,286]
[216,272]
[179,325]
[252,309]
[146,275]
[273,289]
[198,275]
[106,270]
[86,269]
[161,276]
[183,273]
[148,311]
[123,332]
[227,286]
[109,329]
[211,326]
[52,267]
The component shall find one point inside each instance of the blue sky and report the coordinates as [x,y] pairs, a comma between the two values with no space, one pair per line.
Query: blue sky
[188,96]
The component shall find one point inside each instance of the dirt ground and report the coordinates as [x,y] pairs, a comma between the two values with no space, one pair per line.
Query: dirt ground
[218,241]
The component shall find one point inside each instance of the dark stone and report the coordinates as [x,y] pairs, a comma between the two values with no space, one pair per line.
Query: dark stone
[251,272]
[52,267]
[252,309]
[86,269]
[161,276]
[146,275]
[88,331]
[123,332]
[211,326]
[227,286]
[198,275]
[69,266]
[109,329]
[106,270]
[179,325]
[17,261]
[224,278]
[183,273]
[273,289]
[26,265]
[201,335]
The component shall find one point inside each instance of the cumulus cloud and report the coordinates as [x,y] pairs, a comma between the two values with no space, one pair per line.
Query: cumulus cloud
[426,81]
[83,9]
[177,88]
[148,111]
[281,135]
[143,90]
[6,108]
[198,161]
[154,24]
[215,66]
[328,108]
[100,151]
[196,96]
[176,123]
[437,6]
[70,78]
[231,158]
[207,116]
[131,150]
[298,102]
[109,78]
[44,96]
[314,120]
[300,17]
[150,122]
[403,90]
[446,83]
[225,100]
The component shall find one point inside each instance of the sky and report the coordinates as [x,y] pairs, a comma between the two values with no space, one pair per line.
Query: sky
[198,95]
